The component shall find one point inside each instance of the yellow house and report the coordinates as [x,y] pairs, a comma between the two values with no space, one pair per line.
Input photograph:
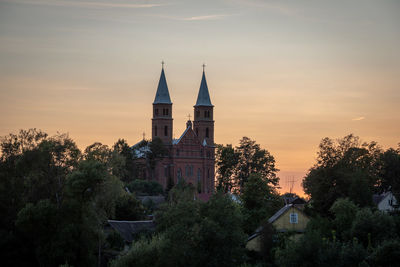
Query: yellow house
[289,218]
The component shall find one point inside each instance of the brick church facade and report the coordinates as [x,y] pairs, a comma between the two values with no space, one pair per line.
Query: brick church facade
[191,156]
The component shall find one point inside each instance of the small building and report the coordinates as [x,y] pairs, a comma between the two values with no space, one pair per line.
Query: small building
[385,202]
[289,218]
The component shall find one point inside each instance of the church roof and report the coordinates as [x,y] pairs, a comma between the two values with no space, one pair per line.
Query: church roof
[203,98]
[162,94]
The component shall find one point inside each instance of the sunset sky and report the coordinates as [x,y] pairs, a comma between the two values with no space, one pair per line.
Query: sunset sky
[285,73]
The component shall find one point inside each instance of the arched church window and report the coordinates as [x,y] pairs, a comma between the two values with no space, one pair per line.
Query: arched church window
[155,130]
[166,130]
[199,180]
[179,175]
[207,132]
[187,171]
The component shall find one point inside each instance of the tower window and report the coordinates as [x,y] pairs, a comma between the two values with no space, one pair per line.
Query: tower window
[155,130]
[166,111]
[205,114]
[166,130]
[197,131]
[156,111]
[197,113]
[207,133]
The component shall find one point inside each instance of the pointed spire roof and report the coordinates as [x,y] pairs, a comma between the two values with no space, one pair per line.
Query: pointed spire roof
[203,98]
[162,94]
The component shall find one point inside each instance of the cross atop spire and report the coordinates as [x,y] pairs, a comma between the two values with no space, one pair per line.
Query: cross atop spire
[162,94]
[203,98]
[204,66]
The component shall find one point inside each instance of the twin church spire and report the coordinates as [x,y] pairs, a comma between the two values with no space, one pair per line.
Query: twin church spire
[163,97]
[162,120]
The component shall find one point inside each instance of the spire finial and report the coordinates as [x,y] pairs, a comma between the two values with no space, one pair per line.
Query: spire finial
[144,135]
[162,64]
[189,116]
[204,66]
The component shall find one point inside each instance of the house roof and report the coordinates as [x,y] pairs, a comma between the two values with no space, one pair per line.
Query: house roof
[127,229]
[273,218]
[162,94]
[203,98]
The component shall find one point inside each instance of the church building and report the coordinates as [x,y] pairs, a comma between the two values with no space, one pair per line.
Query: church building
[191,156]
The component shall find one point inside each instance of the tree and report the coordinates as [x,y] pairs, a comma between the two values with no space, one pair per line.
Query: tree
[345,212]
[192,233]
[346,168]
[389,171]
[253,159]
[226,161]
[260,201]
[234,165]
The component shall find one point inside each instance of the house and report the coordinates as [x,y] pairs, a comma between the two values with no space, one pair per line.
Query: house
[191,156]
[385,201]
[289,218]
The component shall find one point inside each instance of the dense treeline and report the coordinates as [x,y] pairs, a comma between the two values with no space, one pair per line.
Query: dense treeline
[55,201]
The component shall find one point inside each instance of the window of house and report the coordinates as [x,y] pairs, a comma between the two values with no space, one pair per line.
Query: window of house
[166,130]
[198,175]
[293,218]
[207,132]
[155,130]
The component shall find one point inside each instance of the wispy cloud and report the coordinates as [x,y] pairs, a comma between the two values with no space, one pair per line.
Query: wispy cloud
[85,4]
[206,17]
[358,119]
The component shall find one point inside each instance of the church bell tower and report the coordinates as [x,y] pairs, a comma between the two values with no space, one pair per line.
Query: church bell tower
[162,112]
[203,123]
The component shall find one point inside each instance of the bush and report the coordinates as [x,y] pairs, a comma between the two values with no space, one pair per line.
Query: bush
[144,187]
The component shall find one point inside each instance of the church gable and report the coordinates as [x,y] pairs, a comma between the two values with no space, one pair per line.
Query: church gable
[188,138]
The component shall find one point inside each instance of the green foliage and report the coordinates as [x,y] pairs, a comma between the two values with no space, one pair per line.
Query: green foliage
[346,169]
[226,160]
[378,225]
[235,165]
[387,254]
[312,250]
[145,253]
[192,233]
[128,208]
[389,171]
[345,212]
[260,201]
[145,187]
[115,241]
